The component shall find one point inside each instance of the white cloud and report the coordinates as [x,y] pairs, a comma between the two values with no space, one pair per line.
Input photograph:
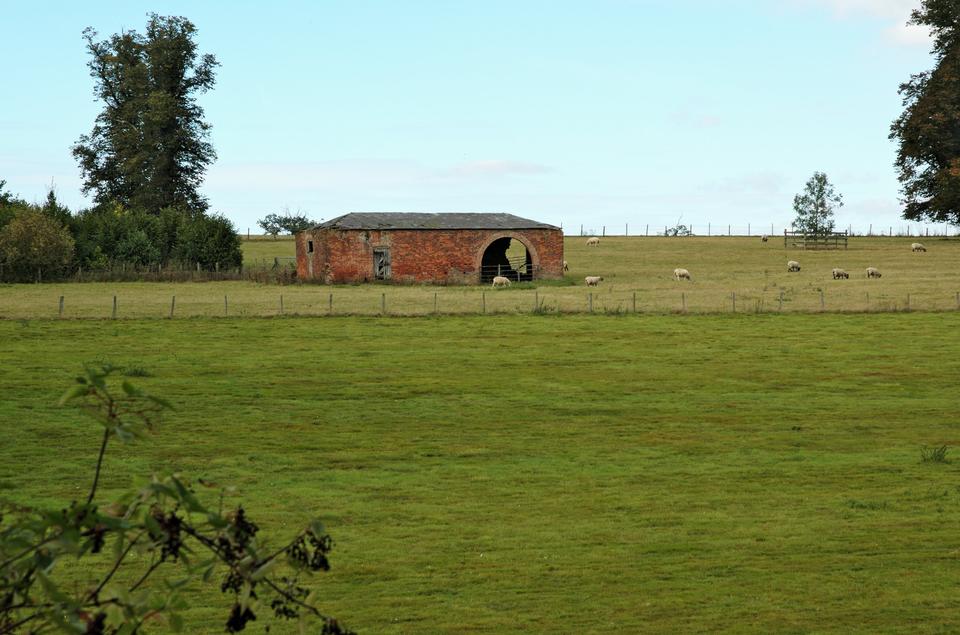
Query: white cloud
[895,12]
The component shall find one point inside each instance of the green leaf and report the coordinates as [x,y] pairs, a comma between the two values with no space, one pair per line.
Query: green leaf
[74,393]
[317,527]
[131,390]
[264,570]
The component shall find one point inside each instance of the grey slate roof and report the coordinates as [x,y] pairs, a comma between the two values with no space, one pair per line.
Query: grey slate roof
[418,220]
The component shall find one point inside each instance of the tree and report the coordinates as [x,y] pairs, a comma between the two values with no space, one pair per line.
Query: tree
[211,241]
[929,128]
[33,246]
[273,224]
[149,147]
[145,554]
[816,205]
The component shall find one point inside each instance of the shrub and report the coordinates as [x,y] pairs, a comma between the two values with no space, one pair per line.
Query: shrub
[34,246]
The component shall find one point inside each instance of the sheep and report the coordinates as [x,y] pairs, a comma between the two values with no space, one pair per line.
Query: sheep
[593,241]
[793,265]
[593,281]
[873,272]
[764,238]
[501,281]
[917,247]
[681,274]
[840,273]
[566,267]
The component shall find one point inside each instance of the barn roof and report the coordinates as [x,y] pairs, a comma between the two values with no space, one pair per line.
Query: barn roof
[419,220]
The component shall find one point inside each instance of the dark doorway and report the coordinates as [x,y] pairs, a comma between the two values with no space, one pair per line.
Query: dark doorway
[381,264]
[506,257]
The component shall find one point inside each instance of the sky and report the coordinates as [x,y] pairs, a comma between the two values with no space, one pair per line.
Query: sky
[591,112]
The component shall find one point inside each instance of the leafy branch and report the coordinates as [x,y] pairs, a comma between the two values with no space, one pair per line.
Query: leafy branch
[163,540]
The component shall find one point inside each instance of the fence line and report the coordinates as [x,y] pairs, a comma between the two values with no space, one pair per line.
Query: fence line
[542,303]
[916,230]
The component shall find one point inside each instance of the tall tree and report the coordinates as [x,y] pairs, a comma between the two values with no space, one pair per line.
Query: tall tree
[929,128]
[816,205]
[149,147]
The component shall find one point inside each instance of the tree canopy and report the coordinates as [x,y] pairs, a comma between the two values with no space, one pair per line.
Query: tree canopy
[928,130]
[815,206]
[149,147]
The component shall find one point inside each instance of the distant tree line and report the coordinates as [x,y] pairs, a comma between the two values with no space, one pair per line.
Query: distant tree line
[143,162]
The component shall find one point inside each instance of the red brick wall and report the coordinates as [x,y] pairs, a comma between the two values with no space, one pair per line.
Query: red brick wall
[418,255]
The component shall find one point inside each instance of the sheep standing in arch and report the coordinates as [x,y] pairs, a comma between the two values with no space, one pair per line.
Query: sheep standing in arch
[501,281]
[873,272]
[593,281]
[592,241]
[793,266]
[917,247]
[681,274]
[566,267]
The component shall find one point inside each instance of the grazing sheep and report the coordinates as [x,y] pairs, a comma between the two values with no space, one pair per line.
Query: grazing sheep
[840,273]
[593,281]
[917,247]
[764,238]
[566,267]
[873,272]
[501,281]
[793,265]
[593,241]
[681,274]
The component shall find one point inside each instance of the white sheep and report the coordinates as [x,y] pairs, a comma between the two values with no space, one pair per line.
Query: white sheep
[917,247]
[566,267]
[793,265]
[593,281]
[873,272]
[840,273]
[593,240]
[764,238]
[501,281]
[681,274]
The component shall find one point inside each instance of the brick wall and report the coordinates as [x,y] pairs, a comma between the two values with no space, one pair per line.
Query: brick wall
[417,255]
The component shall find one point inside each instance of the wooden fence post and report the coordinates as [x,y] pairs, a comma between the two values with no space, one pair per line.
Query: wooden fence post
[281,304]
[708,229]
[604,231]
[60,313]
[590,301]
[224,306]
[483,301]
[647,231]
[114,307]
[958,299]
[734,297]
[634,301]
[330,305]
[383,304]
[173,305]
[434,302]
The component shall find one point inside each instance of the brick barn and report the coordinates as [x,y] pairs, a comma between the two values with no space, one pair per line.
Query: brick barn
[456,248]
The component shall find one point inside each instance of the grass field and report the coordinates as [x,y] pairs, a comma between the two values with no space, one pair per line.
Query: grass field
[637,272]
[548,474]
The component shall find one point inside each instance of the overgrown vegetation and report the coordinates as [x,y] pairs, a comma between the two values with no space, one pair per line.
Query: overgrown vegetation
[144,554]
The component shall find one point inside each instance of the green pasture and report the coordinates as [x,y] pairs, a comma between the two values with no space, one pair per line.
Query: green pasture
[741,274]
[554,474]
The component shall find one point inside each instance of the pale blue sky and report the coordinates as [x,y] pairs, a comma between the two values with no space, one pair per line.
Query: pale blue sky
[599,112]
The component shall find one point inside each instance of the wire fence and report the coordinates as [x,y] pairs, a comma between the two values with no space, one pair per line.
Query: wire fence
[474,302]
[266,270]
[918,230]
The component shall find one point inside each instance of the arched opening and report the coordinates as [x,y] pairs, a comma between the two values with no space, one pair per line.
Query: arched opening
[506,257]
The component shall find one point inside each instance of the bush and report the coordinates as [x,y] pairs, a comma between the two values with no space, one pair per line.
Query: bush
[211,241]
[34,246]
[147,553]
